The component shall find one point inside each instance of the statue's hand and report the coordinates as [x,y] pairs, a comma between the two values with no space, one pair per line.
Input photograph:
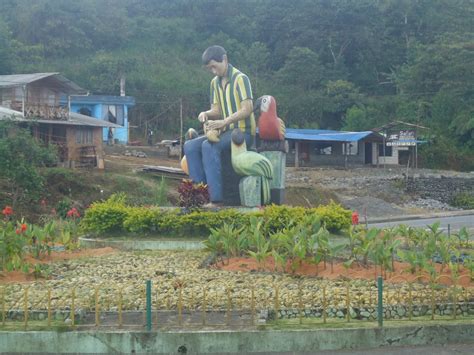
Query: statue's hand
[217,124]
[202,117]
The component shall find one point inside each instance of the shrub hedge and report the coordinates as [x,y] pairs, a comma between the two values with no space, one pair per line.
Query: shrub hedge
[114,215]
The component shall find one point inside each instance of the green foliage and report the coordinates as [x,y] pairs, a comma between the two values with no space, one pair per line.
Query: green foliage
[6,57]
[355,64]
[107,216]
[140,219]
[464,200]
[279,217]
[334,216]
[161,192]
[12,244]
[115,215]
[63,207]
[21,156]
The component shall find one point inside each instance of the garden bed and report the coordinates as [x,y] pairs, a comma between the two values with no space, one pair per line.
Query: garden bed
[18,276]
[401,273]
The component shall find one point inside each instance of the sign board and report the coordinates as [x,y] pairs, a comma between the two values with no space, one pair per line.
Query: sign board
[401,138]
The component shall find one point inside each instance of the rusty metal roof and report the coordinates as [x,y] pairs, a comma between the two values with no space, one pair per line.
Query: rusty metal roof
[15,80]
[75,119]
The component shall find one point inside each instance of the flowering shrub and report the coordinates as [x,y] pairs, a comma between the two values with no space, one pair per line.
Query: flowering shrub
[7,211]
[12,242]
[192,195]
[18,238]
[73,213]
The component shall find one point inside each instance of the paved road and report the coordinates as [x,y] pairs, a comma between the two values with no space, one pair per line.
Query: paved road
[454,222]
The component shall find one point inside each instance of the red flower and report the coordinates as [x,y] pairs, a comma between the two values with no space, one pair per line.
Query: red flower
[73,212]
[18,231]
[43,202]
[355,218]
[23,227]
[7,211]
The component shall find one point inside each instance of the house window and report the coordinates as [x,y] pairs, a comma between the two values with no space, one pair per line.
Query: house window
[83,136]
[388,151]
[113,114]
[350,148]
[85,111]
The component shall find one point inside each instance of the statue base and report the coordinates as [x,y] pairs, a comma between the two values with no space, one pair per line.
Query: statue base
[250,188]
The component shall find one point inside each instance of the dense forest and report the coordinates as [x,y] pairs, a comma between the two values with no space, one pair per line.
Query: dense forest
[336,64]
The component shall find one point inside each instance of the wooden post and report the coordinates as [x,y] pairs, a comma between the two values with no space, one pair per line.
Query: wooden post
[300,303]
[4,308]
[204,306]
[26,307]
[252,305]
[73,308]
[97,310]
[229,307]
[324,304]
[180,306]
[348,303]
[49,307]
[120,320]
[181,137]
[297,154]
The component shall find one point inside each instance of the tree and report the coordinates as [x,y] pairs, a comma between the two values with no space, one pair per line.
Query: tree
[302,68]
[5,49]
[20,158]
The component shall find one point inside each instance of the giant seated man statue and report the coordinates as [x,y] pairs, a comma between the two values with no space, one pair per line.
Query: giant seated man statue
[225,153]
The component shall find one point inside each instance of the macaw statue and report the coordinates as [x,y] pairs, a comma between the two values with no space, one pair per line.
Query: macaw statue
[250,163]
[270,126]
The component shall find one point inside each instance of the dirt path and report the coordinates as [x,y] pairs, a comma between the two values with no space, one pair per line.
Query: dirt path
[375,192]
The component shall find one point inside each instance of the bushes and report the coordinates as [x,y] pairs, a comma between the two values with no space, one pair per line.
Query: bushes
[106,216]
[114,215]
[464,200]
[334,216]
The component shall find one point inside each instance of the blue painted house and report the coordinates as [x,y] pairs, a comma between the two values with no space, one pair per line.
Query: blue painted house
[112,109]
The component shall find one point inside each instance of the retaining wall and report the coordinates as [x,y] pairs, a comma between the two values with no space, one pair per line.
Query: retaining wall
[441,188]
[228,341]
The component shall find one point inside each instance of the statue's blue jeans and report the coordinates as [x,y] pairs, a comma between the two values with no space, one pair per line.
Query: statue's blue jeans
[204,161]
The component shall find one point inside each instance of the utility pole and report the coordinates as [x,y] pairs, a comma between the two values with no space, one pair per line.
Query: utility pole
[180,127]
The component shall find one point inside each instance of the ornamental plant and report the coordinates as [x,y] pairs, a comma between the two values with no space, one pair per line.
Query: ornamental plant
[106,216]
[192,195]
[7,211]
[13,240]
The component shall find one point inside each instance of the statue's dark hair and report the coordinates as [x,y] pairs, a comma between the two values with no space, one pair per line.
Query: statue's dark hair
[213,53]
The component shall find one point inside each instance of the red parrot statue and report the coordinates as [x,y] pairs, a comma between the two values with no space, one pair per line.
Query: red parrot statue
[270,126]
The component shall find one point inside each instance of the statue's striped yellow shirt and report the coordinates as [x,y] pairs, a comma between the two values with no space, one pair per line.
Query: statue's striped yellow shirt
[230,97]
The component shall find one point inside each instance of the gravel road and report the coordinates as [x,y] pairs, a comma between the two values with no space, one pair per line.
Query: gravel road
[375,192]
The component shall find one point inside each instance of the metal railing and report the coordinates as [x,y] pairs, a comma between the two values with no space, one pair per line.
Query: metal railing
[181,306]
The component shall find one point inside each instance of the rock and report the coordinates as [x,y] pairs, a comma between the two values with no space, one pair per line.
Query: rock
[401,311]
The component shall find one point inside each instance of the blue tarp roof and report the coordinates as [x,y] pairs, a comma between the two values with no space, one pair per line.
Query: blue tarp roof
[327,135]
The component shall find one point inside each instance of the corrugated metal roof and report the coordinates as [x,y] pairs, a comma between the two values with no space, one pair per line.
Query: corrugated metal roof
[6,113]
[102,99]
[10,81]
[328,135]
[75,119]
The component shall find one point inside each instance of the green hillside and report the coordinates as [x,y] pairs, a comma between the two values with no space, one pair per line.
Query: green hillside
[338,64]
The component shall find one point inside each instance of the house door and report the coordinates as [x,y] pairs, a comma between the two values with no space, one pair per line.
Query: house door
[368,153]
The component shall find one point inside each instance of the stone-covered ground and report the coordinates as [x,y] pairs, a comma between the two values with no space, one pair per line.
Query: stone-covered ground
[381,192]
[170,271]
